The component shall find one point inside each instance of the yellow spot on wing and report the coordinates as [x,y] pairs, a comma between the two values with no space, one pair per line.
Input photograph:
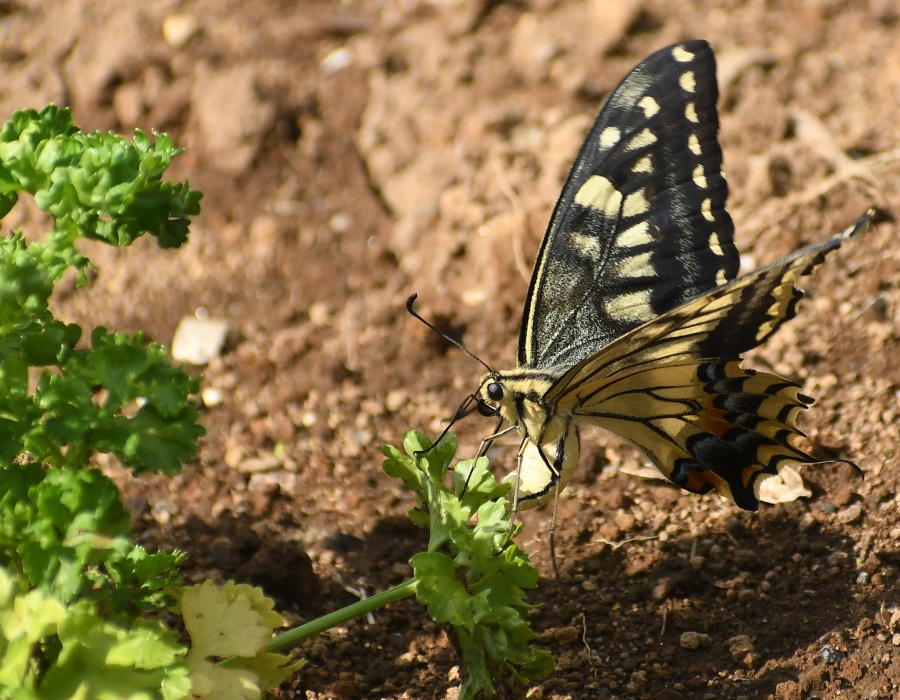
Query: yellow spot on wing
[633,306]
[585,245]
[714,244]
[649,105]
[642,140]
[599,193]
[765,330]
[636,266]
[690,113]
[721,277]
[636,235]
[682,55]
[700,177]
[635,203]
[644,165]
[706,210]
[694,144]
[687,81]
[610,137]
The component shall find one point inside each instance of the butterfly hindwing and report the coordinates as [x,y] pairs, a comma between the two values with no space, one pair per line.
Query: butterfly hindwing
[706,423]
[641,225]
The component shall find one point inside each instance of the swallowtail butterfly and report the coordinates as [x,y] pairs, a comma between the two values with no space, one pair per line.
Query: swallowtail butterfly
[635,320]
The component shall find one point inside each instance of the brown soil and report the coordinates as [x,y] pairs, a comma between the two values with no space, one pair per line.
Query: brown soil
[354,152]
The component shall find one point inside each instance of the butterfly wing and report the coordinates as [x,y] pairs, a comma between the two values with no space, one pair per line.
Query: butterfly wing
[673,387]
[641,225]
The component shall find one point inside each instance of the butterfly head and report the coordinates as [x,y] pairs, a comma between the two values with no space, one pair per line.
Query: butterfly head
[516,395]
[491,395]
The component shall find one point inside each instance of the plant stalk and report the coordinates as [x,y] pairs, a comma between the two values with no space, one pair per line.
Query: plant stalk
[320,624]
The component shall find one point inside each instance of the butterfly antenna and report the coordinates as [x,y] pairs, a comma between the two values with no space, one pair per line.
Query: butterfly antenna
[414,314]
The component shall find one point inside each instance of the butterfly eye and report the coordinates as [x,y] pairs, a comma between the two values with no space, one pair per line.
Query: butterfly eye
[495,391]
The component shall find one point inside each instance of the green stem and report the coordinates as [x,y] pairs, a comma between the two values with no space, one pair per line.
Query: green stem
[320,624]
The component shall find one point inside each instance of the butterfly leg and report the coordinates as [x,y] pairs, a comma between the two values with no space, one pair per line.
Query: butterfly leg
[553,530]
[489,440]
[555,486]
[518,480]
[526,464]
[484,447]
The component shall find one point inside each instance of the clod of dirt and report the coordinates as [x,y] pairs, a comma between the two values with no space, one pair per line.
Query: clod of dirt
[283,570]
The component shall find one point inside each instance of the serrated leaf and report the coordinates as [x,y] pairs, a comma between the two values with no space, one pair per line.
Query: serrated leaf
[216,682]
[435,460]
[25,618]
[414,441]
[477,680]
[271,669]
[476,483]
[99,659]
[64,520]
[440,589]
[62,525]
[161,443]
[399,466]
[95,185]
[236,620]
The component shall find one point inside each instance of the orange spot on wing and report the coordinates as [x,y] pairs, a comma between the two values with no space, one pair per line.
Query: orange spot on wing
[713,420]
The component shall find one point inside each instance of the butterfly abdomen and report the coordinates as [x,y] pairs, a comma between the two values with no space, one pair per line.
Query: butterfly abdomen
[541,473]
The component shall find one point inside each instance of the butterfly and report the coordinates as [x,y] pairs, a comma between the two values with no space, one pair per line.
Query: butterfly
[635,319]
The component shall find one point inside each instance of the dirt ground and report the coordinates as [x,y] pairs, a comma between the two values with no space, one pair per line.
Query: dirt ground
[355,152]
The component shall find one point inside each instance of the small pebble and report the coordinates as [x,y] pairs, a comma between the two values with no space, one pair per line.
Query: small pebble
[694,640]
[211,397]
[337,60]
[339,223]
[740,646]
[198,340]
[255,465]
[395,400]
[179,29]
[162,512]
[830,655]
[837,558]
[850,514]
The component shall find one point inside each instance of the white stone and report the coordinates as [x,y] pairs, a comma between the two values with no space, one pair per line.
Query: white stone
[197,341]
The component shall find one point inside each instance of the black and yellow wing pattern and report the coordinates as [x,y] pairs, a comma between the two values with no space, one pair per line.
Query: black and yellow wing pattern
[641,225]
[634,319]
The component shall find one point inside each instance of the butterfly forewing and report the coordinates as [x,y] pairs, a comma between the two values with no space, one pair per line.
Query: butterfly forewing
[641,225]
